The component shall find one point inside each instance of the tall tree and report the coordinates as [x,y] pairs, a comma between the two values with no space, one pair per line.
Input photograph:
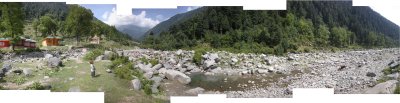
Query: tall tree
[79,21]
[12,20]
[47,26]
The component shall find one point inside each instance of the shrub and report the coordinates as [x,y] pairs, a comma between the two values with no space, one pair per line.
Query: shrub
[147,89]
[125,71]
[387,71]
[119,60]
[2,88]
[19,80]
[93,54]
[35,86]
[397,90]
[197,57]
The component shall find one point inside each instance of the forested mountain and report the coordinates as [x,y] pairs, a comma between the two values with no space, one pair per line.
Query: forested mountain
[305,24]
[133,31]
[179,18]
[38,9]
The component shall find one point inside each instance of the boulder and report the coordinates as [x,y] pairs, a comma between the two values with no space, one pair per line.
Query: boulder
[179,52]
[145,68]
[6,67]
[148,75]
[108,55]
[27,71]
[234,60]
[108,71]
[136,84]
[99,58]
[195,91]
[162,71]
[387,87]
[154,88]
[370,74]
[262,71]
[54,62]
[48,56]
[176,75]
[209,64]
[157,66]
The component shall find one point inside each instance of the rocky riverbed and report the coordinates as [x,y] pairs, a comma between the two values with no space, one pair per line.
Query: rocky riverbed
[346,71]
[243,75]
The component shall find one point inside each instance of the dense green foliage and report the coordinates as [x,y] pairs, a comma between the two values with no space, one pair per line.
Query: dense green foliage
[93,54]
[11,21]
[124,69]
[36,86]
[303,26]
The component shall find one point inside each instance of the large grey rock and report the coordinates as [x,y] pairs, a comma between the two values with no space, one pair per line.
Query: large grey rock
[387,87]
[27,71]
[195,91]
[136,84]
[48,56]
[209,64]
[6,67]
[176,75]
[145,68]
[54,62]
[157,66]
[108,55]
[148,75]
[262,71]
[154,87]
[99,58]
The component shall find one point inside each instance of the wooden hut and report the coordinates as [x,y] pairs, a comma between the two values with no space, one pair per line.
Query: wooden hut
[4,43]
[51,41]
[95,40]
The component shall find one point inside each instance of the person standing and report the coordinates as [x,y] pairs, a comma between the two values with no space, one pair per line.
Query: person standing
[92,69]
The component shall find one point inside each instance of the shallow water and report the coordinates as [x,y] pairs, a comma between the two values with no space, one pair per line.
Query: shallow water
[232,83]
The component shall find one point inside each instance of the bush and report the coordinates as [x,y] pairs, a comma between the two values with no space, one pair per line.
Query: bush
[19,80]
[2,88]
[93,54]
[125,71]
[397,90]
[147,89]
[35,86]
[119,60]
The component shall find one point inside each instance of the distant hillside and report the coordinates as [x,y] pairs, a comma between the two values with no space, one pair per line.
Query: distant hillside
[133,31]
[179,18]
[303,26]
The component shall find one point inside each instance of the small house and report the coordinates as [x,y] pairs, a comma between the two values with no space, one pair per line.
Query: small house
[95,40]
[51,41]
[4,43]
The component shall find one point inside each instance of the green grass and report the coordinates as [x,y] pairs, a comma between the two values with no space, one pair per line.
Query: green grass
[116,89]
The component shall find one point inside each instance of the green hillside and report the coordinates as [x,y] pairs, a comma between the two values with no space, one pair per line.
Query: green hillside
[304,26]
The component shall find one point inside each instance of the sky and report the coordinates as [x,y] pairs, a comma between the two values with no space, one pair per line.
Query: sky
[148,18]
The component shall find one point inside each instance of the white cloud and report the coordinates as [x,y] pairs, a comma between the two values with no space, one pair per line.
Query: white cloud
[140,20]
[389,12]
[190,8]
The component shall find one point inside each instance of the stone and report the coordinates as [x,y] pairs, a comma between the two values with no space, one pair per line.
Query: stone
[108,55]
[156,79]
[148,75]
[214,56]
[234,60]
[27,71]
[145,68]
[108,71]
[154,88]
[99,58]
[209,64]
[179,52]
[370,74]
[136,84]
[74,89]
[6,67]
[262,71]
[176,75]
[157,66]
[195,91]
[48,56]
[387,87]
[54,62]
